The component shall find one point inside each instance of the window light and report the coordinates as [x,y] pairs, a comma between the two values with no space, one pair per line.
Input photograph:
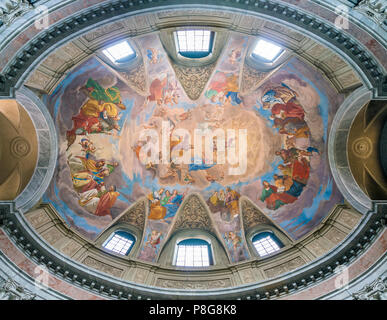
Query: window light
[193,253]
[267,50]
[121,243]
[118,52]
[265,244]
[194,43]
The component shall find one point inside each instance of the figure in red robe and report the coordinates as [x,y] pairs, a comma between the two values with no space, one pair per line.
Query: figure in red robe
[301,170]
[288,110]
[273,199]
[106,202]
[156,90]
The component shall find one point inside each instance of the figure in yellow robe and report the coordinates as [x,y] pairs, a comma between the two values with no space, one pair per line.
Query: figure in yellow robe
[157,211]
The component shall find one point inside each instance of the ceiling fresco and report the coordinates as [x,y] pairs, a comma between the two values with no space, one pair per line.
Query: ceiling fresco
[118,145]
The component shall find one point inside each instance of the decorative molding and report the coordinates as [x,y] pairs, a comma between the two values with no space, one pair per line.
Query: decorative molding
[29,242]
[369,68]
[193,285]
[104,267]
[376,290]
[136,78]
[193,79]
[10,10]
[285,267]
[135,216]
[251,216]
[253,78]
[279,286]
[376,10]
[194,215]
[11,290]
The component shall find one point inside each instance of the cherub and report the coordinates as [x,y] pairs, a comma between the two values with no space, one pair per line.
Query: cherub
[235,55]
[153,239]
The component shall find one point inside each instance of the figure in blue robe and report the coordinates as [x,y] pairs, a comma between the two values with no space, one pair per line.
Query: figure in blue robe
[173,204]
[296,189]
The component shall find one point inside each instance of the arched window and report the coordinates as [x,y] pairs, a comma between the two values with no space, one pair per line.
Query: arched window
[193,253]
[266,243]
[195,43]
[120,52]
[120,242]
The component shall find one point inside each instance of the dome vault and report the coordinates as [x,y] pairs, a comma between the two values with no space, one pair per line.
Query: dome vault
[218,149]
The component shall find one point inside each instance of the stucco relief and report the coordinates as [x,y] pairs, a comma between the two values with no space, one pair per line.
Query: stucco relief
[335,235]
[284,267]
[70,248]
[193,79]
[11,290]
[194,216]
[349,218]
[252,78]
[104,31]
[251,216]
[189,284]
[135,216]
[38,218]
[376,290]
[52,235]
[101,266]
[141,275]
[318,247]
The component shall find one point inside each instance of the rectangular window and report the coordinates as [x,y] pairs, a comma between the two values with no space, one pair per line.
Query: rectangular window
[119,244]
[119,51]
[267,50]
[192,256]
[194,43]
[266,246]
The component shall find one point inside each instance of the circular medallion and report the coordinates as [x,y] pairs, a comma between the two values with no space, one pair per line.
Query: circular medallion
[20,147]
[362,147]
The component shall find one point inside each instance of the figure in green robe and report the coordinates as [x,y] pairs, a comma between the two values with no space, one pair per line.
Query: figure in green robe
[270,196]
[165,200]
[97,92]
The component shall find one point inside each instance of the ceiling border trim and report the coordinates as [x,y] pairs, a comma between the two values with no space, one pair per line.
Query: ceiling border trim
[28,241]
[369,68]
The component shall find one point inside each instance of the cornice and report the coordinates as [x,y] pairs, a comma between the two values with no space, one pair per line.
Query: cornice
[369,68]
[26,239]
